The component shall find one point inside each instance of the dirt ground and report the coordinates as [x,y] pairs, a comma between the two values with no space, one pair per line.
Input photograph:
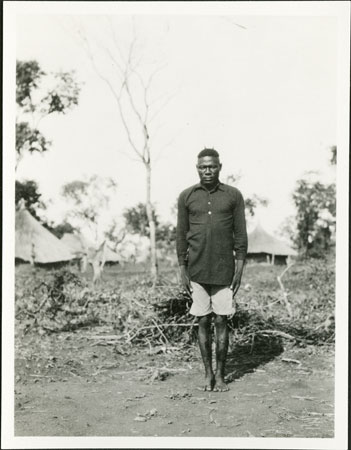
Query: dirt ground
[67,385]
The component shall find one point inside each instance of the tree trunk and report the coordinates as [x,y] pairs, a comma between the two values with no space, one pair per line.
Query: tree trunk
[152,225]
[83,264]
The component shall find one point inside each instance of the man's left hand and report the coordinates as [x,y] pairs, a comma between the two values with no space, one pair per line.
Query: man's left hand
[237,277]
[236,283]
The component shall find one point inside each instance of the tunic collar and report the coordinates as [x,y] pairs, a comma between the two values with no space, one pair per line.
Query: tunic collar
[219,186]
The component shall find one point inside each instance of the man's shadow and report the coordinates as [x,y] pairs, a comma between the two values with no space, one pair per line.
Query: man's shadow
[249,350]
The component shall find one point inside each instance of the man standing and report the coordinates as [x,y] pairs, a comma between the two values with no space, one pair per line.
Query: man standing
[211,227]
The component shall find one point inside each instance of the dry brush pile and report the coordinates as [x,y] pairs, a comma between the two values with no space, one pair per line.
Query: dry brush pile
[300,310]
[59,301]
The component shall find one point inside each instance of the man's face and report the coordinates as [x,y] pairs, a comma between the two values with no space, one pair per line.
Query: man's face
[208,168]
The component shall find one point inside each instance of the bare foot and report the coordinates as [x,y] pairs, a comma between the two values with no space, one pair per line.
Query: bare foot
[220,385]
[209,383]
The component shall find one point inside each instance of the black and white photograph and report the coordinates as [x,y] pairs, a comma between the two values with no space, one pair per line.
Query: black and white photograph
[175,226]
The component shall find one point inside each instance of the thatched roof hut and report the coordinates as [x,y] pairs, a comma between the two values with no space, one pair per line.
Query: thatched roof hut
[262,245]
[110,255]
[81,246]
[35,244]
[77,243]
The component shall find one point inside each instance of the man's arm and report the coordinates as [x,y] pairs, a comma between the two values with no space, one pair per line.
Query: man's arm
[240,241]
[237,276]
[182,244]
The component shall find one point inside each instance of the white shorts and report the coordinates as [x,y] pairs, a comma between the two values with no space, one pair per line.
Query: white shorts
[210,298]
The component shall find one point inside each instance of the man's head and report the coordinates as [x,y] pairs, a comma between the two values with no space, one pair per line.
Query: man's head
[208,167]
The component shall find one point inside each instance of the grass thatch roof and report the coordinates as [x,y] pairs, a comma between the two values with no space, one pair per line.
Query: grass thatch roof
[77,243]
[80,246]
[110,255]
[262,242]
[36,244]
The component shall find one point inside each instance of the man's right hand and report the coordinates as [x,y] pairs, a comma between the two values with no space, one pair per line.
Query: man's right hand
[185,280]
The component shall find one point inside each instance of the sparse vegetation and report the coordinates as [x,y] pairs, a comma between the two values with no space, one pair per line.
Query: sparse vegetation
[139,314]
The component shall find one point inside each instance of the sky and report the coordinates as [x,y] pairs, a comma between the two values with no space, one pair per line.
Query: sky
[262,90]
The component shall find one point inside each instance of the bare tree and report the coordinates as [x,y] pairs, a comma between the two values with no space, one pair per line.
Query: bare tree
[130,88]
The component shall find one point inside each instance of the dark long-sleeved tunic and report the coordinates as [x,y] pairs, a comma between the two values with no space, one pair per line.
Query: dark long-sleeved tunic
[211,226]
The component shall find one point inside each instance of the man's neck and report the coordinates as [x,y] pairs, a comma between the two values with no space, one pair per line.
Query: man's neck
[210,187]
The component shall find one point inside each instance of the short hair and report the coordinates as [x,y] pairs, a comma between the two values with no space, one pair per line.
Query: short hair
[208,152]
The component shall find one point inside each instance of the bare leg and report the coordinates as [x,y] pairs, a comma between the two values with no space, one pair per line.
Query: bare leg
[205,344]
[221,352]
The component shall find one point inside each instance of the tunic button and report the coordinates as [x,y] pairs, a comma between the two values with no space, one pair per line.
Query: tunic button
[209,212]
[209,203]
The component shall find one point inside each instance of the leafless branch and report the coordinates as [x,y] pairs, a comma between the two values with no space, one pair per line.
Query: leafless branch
[114,93]
[146,87]
[157,156]
[161,332]
[132,103]
[114,60]
[233,23]
[115,39]
[161,325]
[145,155]
[161,108]
[130,157]
[118,239]
[277,333]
